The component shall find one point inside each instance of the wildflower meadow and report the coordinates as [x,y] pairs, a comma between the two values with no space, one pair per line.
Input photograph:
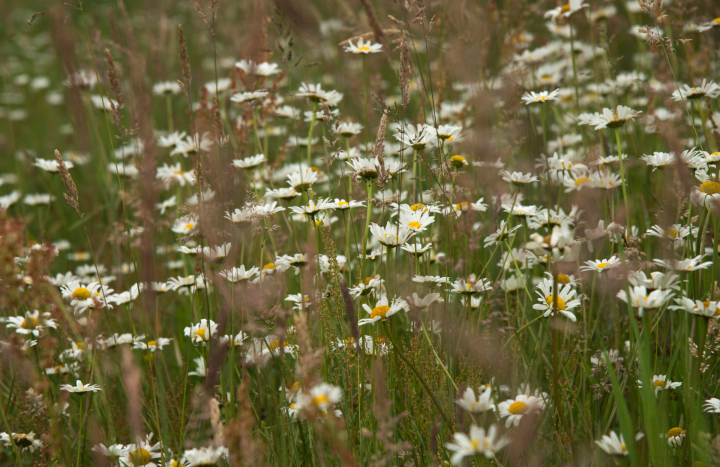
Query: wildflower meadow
[360,233]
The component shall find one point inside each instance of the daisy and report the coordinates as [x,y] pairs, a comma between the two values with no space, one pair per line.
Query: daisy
[697,307]
[417,137]
[613,445]
[205,456]
[240,274]
[315,93]
[447,132]
[141,453]
[172,139]
[321,397]
[367,286]
[709,25]
[200,370]
[601,265]
[675,437]
[472,404]
[391,236]
[705,89]
[303,179]
[50,165]
[201,333]
[540,97]
[258,69]
[424,303]
[565,301]
[24,441]
[519,210]
[176,283]
[348,129]
[659,160]
[514,409]
[417,221]
[685,265]
[675,232]
[639,298]
[174,173]
[518,178]
[501,234]
[383,310]
[708,193]
[477,442]
[712,405]
[249,162]
[657,280]
[612,120]
[113,451]
[364,169]
[192,144]
[457,162]
[80,388]
[565,11]
[464,287]
[605,179]
[216,254]
[661,383]
[284,262]
[83,297]
[363,47]
[153,345]
[416,249]
[251,96]
[165,88]
[33,323]
[312,209]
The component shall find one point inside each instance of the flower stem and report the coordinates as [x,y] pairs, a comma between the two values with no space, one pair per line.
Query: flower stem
[622,176]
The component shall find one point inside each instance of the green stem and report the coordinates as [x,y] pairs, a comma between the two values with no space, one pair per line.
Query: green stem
[622,176]
[310,133]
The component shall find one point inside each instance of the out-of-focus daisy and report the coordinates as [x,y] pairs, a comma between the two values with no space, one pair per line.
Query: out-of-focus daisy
[661,383]
[514,409]
[501,234]
[258,69]
[659,160]
[383,310]
[565,11]
[640,298]
[540,97]
[616,119]
[363,47]
[33,323]
[249,162]
[473,404]
[518,178]
[712,405]
[205,456]
[464,287]
[601,265]
[477,442]
[80,388]
[202,332]
[613,445]
[685,265]
[711,90]
[698,307]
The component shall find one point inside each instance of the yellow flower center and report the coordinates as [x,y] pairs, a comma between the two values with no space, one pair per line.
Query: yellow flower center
[367,280]
[565,8]
[417,206]
[475,443]
[342,203]
[30,323]
[560,302]
[152,344]
[518,408]
[673,233]
[189,226]
[321,399]
[80,345]
[380,311]
[178,172]
[363,48]
[81,293]
[659,383]
[579,181]
[602,265]
[716,20]
[276,344]
[673,432]
[201,333]
[269,266]
[710,188]
[414,225]
[459,159]
[461,206]
[563,279]
[140,456]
